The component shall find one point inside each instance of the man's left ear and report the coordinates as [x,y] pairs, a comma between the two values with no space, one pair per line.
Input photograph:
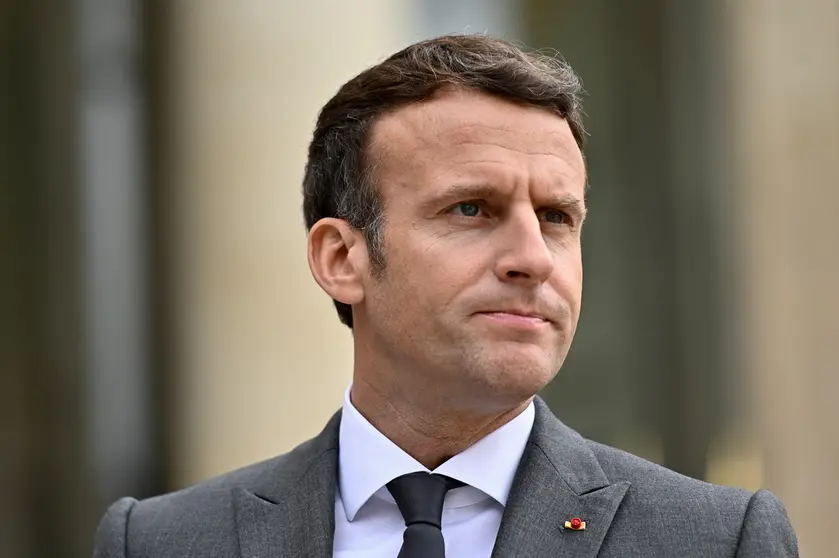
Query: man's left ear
[338,259]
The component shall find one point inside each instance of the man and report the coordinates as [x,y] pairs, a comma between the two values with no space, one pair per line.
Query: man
[445,198]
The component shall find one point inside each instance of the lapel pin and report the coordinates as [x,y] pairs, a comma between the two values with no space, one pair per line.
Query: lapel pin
[576,524]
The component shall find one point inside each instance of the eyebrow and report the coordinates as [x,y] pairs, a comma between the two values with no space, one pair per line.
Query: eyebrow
[570,204]
[565,202]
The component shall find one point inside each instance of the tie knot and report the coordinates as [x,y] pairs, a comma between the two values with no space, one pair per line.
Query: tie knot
[420,496]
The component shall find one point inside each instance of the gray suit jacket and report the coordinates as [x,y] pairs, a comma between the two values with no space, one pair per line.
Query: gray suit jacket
[284,507]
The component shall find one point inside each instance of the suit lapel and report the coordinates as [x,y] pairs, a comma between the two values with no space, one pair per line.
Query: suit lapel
[290,512]
[559,478]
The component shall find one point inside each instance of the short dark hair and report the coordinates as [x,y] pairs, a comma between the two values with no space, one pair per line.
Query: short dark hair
[339,180]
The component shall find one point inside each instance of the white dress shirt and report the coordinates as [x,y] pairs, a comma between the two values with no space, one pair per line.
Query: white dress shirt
[368,523]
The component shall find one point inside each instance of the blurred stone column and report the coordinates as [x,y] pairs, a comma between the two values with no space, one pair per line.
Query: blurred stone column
[785,107]
[260,360]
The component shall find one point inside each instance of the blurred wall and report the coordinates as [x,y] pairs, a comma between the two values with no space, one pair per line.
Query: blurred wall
[261,359]
[785,99]
[45,504]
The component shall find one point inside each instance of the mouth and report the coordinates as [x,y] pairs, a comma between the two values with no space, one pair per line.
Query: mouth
[517,318]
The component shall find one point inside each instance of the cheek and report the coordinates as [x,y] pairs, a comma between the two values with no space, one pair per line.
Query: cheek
[420,296]
[421,284]
[568,277]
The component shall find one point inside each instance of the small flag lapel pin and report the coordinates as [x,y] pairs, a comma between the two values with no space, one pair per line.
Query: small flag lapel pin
[576,524]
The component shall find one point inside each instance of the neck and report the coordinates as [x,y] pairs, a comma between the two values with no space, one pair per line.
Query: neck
[429,431]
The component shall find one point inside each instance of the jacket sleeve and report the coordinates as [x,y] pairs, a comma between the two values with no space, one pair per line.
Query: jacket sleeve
[111,539]
[766,531]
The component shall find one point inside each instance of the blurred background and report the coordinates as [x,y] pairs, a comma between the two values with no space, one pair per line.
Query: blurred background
[159,322]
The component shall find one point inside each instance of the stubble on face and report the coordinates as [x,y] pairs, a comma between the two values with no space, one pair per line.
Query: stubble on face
[428,329]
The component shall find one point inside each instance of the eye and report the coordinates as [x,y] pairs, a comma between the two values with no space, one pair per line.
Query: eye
[554,216]
[467,209]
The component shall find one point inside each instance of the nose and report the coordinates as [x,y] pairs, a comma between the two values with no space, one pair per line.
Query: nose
[523,254]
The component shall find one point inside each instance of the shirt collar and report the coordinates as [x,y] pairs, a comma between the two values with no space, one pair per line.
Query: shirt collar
[367,460]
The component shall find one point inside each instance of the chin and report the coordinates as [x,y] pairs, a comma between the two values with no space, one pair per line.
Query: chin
[509,381]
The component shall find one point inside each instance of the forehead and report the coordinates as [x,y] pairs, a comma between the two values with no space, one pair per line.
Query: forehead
[469,132]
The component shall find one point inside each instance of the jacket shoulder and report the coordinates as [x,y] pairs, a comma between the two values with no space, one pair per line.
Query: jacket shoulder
[665,511]
[661,486]
[690,513]
[198,520]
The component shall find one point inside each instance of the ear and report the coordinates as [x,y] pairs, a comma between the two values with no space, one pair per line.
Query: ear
[338,259]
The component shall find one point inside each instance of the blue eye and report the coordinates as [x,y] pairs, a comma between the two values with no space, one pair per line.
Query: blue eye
[556,217]
[468,209]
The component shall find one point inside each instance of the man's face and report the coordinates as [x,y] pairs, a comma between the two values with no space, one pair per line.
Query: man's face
[484,203]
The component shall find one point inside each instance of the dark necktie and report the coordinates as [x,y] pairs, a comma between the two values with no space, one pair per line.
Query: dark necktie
[420,499]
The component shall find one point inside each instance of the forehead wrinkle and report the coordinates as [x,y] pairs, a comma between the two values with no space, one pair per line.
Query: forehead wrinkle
[540,153]
[408,139]
[561,168]
[560,146]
